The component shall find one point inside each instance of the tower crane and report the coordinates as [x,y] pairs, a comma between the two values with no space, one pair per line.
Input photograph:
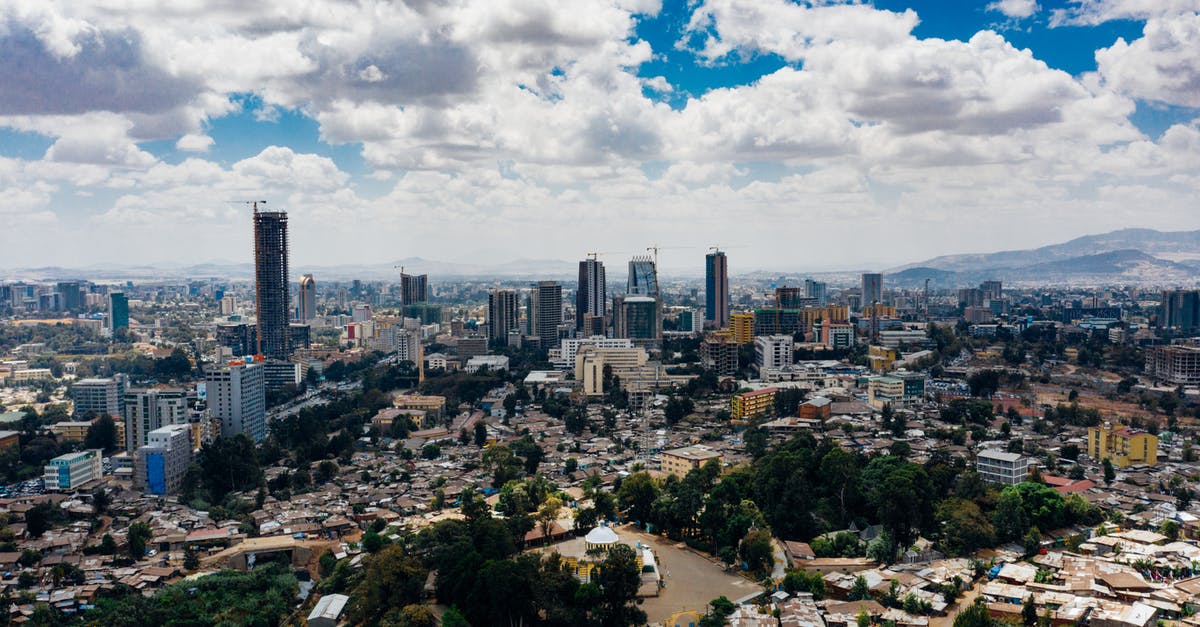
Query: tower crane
[252,203]
[655,248]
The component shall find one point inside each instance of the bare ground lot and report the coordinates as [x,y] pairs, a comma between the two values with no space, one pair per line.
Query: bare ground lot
[692,580]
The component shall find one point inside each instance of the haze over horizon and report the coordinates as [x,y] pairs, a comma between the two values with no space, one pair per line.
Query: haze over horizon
[818,135]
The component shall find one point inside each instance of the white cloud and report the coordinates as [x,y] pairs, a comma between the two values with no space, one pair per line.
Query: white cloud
[1093,12]
[516,121]
[1016,9]
[193,142]
[1162,65]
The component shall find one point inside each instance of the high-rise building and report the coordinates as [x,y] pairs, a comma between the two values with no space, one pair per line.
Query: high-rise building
[792,298]
[239,337]
[150,409]
[591,297]
[236,396]
[101,397]
[816,290]
[716,289]
[872,288]
[118,311]
[992,290]
[638,318]
[503,313]
[970,297]
[307,306]
[414,288]
[271,282]
[71,295]
[643,280]
[160,464]
[545,313]
[1180,309]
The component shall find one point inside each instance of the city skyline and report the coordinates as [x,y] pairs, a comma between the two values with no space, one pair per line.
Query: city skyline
[978,126]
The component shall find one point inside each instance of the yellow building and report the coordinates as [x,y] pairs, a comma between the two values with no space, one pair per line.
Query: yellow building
[741,327]
[681,461]
[881,358]
[878,311]
[435,405]
[833,313]
[750,404]
[71,430]
[1123,446]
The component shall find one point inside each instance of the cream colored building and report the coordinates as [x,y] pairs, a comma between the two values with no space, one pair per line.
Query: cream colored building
[590,362]
[681,461]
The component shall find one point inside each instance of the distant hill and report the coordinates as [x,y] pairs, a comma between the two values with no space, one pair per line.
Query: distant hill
[1133,255]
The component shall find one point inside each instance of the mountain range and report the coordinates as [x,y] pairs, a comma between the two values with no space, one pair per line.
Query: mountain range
[1134,256]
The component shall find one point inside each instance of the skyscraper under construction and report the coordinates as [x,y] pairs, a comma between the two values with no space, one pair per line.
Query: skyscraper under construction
[271,282]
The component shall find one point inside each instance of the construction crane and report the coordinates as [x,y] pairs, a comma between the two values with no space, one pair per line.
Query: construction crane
[252,203]
[593,255]
[655,248]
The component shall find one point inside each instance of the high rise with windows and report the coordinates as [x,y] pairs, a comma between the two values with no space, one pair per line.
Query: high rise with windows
[503,314]
[643,280]
[306,308]
[817,290]
[545,313]
[591,297]
[872,288]
[118,311]
[236,396]
[414,288]
[271,282]
[150,409]
[716,289]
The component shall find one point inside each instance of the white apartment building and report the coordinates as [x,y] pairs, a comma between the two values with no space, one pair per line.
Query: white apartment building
[563,357]
[1001,467]
[237,397]
[772,351]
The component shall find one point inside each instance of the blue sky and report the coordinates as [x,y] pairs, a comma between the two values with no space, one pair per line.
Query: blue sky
[541,129]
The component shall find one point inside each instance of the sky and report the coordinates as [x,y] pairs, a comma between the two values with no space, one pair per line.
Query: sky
[796,135]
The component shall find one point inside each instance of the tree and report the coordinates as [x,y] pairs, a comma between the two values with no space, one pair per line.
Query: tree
[974,616]
[1109,473]
[191,561]
[1169,528]
[1032,541]
[326,470]
[452,617]
[139,533]
[860,591]
[964,526]
[480,433]
[636,496]
[618,578]
[108,546]
[38,519]
[102,434]
[1029,616]
[372,541]
[1009,518]
[412,615]
[547,514]
[392,579]
[718,612]
[431,451]
[756,551]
